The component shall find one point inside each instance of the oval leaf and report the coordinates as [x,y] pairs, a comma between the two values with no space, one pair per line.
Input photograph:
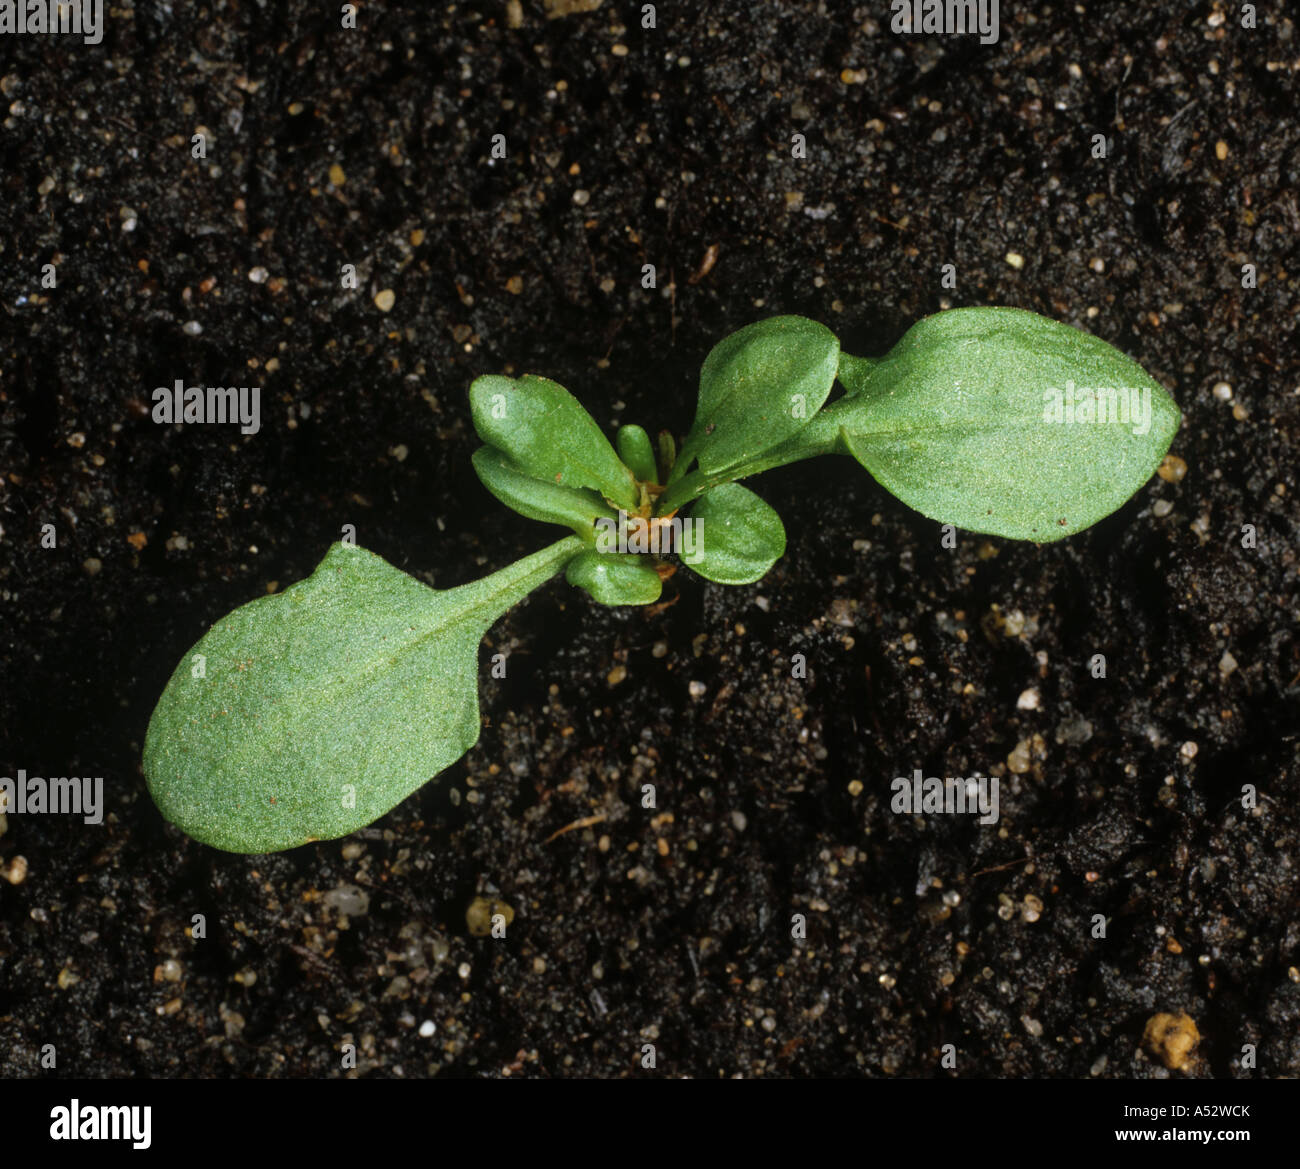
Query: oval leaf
[538,499]
[738,536]
[307,715]
[545,432]
[636,452]
[1002,421]
[614,578]
[758,387]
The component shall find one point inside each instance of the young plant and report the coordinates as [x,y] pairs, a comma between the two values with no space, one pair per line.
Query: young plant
[309,714]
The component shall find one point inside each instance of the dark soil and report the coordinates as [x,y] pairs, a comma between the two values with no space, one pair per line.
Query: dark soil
[1121,796]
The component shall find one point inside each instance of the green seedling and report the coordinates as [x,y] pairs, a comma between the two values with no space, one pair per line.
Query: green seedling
[309,714]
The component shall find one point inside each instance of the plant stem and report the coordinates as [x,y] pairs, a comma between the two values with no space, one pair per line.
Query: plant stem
[819,437]
[489,598]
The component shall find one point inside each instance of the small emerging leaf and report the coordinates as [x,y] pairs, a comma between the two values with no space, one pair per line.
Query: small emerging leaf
[1002,421]
[739,536]
[307,715]
[667,455]
[614,578]
[545,432]
[637,454]
[758,387]
[538,499]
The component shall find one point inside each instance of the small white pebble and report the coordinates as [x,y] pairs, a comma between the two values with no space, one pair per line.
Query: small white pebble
[1028,700]
[15,872]
[258,275]
[698,689]
[427,1028]
[193,328]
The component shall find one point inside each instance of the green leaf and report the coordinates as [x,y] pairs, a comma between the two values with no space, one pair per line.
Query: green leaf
[307,715]
[855,372]
[667,456]
[960,421]
[637,454]
[739,537]
[545,432]
[537,499]
[614,578]
[757,388]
